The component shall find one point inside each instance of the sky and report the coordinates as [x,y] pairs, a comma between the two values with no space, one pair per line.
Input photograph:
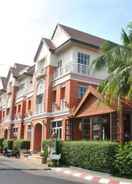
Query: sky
[24,22]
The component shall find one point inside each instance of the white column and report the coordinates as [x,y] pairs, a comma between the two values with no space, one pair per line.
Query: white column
[32,139]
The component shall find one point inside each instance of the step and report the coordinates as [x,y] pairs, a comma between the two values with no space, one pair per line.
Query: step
[35,157]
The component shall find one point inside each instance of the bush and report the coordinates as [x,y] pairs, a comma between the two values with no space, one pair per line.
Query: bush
[21,144]
[1,143]
[92,155]
[123,161]
[8,144]
[46,144]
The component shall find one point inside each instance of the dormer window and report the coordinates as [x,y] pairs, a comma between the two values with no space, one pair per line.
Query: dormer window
[40,65]
[59,67]
[83,63]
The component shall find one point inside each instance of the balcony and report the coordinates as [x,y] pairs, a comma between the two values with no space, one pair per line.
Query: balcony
[40,73]
[7,118]
[71,68]
[18,117]
[63,107]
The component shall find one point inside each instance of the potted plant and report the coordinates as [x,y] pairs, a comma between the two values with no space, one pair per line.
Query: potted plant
[44,155]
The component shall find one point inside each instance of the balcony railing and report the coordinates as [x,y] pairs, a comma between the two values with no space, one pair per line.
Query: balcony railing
[18,116]
[40,72]
[71,68]
[6,118]
[63,107]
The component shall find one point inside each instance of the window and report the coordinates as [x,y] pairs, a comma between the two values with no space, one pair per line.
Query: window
[83,63]
[85,129]
[39,104]
[83,58]
[57,128]
[82,90]
[19,108]
[7,111]
[29,129]
[40,96]
[29,104]
[60,67]
[40,65]
[3,114]
[40,87]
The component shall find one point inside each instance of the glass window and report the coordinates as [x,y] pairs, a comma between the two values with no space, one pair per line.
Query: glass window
[83,63]
[57,129]
[83,58]
[82,90]
[40,87]
[39,103]
[85,129]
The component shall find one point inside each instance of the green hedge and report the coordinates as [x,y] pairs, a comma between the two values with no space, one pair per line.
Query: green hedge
[1,143]
[8,144]
[21,144]
[97,156]
[123,161]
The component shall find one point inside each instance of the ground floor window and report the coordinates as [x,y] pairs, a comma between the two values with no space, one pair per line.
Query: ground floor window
[57,129]
[29,129]
[101,128]
[85,128]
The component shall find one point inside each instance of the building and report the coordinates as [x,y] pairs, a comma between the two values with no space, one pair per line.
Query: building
[38,100]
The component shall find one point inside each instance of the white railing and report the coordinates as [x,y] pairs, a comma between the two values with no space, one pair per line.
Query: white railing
[72,68]
[40,72]
[63,107]
[7,118]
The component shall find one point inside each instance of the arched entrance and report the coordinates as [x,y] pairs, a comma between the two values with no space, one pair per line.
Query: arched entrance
[5,133]
[37,137]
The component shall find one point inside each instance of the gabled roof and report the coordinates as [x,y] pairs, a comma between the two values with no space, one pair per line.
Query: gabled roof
[81,36]
[92,104]
[15,70]
[48,42]
[4,83]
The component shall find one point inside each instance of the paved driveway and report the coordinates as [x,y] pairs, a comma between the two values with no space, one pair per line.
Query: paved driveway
[14,171]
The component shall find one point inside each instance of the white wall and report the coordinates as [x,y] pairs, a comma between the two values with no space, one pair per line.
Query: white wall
[28,87]
[93,55]
[60,37]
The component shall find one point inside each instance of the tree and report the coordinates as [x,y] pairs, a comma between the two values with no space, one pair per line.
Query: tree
[117,59]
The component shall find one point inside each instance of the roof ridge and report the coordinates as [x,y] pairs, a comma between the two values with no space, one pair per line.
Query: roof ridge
[75,29]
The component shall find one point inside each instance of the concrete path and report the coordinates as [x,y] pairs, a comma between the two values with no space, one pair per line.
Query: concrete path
[91,176]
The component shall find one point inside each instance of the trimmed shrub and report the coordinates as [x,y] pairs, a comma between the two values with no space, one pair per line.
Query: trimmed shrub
[1,143]
[21,144]
[46,144]
[123,161]
[94,155]
[8,144]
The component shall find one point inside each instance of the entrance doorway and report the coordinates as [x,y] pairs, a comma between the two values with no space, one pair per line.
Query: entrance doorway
[37,137]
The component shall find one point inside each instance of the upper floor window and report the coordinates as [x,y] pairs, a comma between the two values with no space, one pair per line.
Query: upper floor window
[19,108]
[39,103]
[40,87]
[83,58]
[40,96]
[82,90]
[83,63]
[29,104]
[40,65]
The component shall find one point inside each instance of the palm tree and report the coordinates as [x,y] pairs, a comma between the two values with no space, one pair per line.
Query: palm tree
[117,60]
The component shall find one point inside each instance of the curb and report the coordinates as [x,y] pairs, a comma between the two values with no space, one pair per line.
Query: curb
[89,177]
